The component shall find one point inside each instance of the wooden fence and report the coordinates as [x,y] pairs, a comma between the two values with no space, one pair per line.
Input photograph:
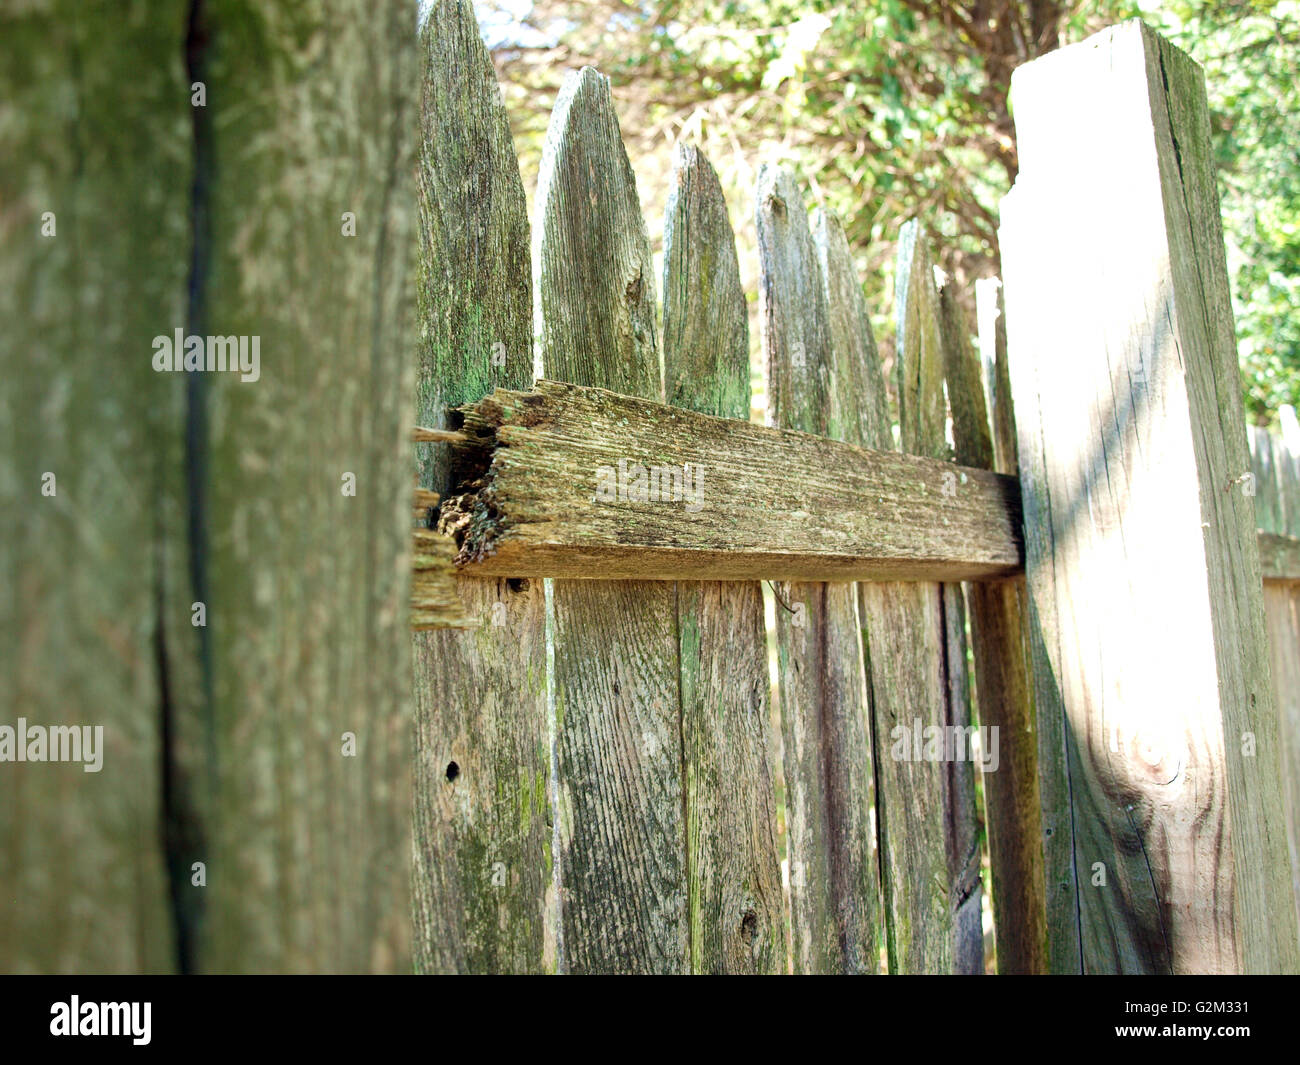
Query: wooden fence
[1126,783]
[1060,551]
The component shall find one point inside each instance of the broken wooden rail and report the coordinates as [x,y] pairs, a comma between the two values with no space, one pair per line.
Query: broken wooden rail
[568,481]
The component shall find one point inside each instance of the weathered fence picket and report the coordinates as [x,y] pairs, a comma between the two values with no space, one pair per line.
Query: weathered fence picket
[859,408]
[823,708]
[1045,934]
[916,649]
[622,864]
[482,756]
[737,909]
[1141,547]
[1275,463]
[1004,683]
[1008,696]
[858,414]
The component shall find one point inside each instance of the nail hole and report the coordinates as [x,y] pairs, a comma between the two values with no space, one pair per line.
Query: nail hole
[453,770]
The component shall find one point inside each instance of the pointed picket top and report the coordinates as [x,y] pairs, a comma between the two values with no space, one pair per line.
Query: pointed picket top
[620,842]
[597,305]
[992,327]
[706,324]
[474,285]
[918,358]
[859,407]
[792,307]
[972,439]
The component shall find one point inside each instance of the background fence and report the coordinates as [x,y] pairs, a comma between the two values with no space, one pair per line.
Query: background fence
[1275,463]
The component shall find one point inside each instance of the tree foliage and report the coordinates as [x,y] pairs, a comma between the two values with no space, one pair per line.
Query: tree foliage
[1250,51]
[891,109]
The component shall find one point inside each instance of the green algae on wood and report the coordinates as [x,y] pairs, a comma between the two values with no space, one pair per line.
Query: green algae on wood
[482,832]
[737,910]
[621,862]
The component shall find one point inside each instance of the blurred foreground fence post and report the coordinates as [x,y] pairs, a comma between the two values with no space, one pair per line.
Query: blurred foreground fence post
[1141,548]
[212,567]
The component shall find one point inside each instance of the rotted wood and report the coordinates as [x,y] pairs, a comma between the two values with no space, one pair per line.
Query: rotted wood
[526,503]
[566,481]
[434,602]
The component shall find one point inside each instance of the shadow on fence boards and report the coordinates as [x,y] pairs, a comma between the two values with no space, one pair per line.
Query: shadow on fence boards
[600,774]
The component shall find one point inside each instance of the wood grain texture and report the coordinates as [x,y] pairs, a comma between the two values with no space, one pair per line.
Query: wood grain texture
[860,415]
[972,438]
[307,587]
[94,128]
[1275,466]
[991,328]
[601,250]
[482,814]
[737,910]
[793,316]
[1004,683]
[824,724]
[859,406]
[771,503]
[916,652]
[482,873]
[621,837]
[918,370]
[1143,563]
[706,325]
[232,487]
[435,603]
